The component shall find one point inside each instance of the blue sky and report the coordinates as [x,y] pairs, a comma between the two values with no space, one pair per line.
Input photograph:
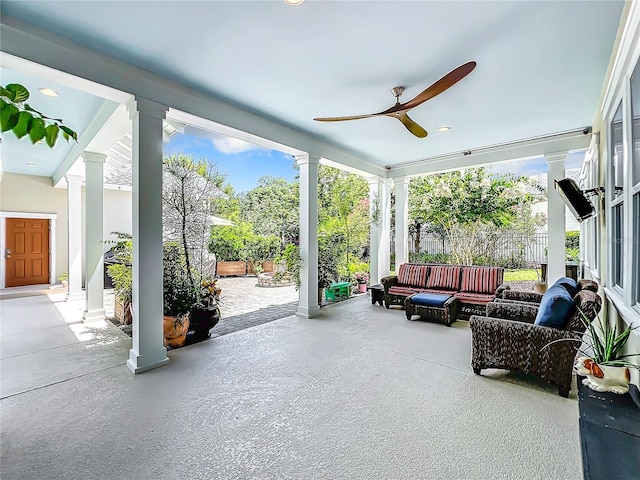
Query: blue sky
[534,166]
[244,163]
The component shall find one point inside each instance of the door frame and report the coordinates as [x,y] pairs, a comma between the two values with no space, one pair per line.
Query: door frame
[52,240]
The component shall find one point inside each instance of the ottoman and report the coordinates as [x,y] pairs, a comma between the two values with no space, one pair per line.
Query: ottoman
[432,306]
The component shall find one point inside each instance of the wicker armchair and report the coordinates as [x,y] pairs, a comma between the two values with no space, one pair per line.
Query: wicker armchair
[507,338]
[535,297]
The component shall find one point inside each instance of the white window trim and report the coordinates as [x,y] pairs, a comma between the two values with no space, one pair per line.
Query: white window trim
[52,240]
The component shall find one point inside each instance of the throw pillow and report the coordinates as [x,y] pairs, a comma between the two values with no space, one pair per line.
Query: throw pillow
[569,284]
[555,307]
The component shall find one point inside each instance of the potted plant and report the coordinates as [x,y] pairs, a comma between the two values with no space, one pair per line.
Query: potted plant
[64,278]
[178,295]
[609,416]
[362,278]
[328,253]
[205,313]
[122,278]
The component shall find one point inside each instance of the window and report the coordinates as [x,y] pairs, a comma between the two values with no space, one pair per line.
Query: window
[616,194]
[636,247]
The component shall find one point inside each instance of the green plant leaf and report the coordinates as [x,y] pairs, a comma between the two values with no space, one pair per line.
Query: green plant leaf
[20,93]
[69,132]
[8,115]
[51,134]
[24,122]
[37,130]
[7,93]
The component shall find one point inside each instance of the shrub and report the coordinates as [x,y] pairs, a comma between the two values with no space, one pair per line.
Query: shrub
[261,248]
[572,239]
[423,257]
[178,294]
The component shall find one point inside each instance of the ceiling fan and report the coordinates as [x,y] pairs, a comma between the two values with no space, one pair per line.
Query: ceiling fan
[399,110]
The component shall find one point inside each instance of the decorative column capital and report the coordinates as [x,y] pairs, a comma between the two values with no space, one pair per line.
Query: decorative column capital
[73,179]
[375,180]
[94,157]
[146,107]
[555,157]
[305,158]
[401,180]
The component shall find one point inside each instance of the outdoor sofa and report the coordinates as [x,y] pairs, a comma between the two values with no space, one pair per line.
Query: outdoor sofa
[472,286]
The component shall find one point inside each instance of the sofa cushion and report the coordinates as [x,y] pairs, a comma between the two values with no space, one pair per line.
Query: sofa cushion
[402,291]
[414,275]
[447,277]
[439,291]
[475,298]
[555,308]
[481,279]
[429,299]
[569,284]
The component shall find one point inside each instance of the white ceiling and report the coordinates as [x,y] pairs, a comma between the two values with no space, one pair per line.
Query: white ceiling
[541,65]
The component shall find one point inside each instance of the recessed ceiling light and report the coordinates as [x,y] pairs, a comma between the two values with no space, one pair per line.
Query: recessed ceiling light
[444,129]
[293,2]
[48,92]
[31,164]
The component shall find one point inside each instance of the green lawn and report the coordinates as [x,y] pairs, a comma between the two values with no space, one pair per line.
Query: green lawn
[521,275]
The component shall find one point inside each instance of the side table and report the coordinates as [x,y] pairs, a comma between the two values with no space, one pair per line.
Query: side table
[377,293]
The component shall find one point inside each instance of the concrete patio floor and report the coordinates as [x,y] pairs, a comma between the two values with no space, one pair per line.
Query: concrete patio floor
[357,393]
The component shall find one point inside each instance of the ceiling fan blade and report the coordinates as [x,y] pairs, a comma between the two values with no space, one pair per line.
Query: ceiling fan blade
[341,119]
[412,126]
[441,85]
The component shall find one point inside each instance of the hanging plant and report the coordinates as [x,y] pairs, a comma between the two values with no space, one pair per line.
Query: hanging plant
[22,119]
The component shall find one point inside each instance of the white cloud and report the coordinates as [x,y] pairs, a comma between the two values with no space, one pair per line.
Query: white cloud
[230,145]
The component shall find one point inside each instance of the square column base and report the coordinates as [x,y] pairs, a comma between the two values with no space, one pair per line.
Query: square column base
[93,316]
[148,361]
[75,296]
[305,312]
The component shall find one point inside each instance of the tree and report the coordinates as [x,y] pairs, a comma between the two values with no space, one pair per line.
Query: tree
[273,208]
[343,203]
[22,119]
[188,190]
[468,207]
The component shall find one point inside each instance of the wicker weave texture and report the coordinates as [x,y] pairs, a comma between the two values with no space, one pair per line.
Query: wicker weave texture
[517,344]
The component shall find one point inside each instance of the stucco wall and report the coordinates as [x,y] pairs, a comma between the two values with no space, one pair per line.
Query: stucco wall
[33,194]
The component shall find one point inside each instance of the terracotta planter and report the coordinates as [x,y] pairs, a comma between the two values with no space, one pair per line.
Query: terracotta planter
[175,330]
[224,269]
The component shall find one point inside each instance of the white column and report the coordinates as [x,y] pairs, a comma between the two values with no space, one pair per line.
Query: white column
[377,248]
[384,249]
[74,243]
[147,350]
[556,220]
[308,300]
[401,189]
[93,225]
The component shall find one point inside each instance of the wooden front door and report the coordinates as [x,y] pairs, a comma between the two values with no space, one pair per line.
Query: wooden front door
[27,251]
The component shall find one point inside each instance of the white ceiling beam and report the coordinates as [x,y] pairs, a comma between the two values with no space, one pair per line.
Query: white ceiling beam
[85,138]
[35,45]
[534,147]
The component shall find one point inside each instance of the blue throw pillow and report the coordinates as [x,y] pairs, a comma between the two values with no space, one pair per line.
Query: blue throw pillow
[569,284]
[555,306]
